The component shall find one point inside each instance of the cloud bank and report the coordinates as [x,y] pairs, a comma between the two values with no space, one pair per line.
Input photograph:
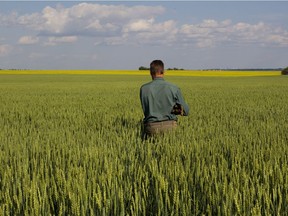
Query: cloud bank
[120,24]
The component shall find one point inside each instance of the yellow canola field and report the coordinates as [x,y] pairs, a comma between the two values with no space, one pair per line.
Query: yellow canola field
[137,72]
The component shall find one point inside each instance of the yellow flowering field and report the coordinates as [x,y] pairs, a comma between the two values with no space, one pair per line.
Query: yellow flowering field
[138,72]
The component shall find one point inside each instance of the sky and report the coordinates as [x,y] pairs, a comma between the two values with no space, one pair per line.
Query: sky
[125,35]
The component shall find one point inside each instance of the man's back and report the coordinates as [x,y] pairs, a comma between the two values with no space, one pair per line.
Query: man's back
[158,98]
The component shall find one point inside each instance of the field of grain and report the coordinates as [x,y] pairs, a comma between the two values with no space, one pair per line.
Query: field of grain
[70,145]
[143,72]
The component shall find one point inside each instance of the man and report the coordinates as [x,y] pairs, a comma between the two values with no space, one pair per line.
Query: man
[158,99]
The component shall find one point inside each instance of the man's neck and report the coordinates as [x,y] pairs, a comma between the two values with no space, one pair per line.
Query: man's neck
[157,76]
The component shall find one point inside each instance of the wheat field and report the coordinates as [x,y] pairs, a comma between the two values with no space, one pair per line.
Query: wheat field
[70,145]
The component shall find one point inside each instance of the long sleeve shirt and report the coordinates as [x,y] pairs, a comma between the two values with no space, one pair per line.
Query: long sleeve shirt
[158,98]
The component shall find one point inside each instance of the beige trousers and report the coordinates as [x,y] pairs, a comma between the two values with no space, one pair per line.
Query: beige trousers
[154,128]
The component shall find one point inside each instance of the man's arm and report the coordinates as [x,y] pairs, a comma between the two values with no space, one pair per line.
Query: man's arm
[181,101]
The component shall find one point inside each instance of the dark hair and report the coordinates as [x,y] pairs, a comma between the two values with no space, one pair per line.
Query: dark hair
[156,67]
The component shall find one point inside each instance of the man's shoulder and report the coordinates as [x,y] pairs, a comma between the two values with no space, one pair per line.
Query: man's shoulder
[164,82]
[146,84]
[171,85]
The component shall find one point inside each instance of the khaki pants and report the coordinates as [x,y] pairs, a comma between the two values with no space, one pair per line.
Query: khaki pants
[154,128]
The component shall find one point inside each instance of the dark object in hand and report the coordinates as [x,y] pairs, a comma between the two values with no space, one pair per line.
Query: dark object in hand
[177,109]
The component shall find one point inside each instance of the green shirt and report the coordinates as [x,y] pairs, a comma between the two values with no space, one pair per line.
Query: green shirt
[158,98]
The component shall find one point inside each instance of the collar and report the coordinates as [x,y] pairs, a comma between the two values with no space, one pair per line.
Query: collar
[158,78]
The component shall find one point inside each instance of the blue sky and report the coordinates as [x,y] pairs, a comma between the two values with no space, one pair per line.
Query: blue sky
[129,34]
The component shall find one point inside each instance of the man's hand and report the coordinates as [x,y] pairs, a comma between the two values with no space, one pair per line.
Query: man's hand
[177,109]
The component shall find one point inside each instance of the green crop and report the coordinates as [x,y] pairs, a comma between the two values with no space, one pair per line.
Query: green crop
[71,145]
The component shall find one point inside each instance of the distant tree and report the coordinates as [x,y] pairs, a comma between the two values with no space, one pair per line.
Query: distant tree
[175,68]
[143,68]
[285,71]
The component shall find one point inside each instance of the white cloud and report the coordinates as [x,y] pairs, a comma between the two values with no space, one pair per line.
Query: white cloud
[115,40]
[28,40]
[52,41]
[205,43]
[209,24]
[139,25]
[55,20]
[84,18]
[5,49]
[211,32]
[150,32]
[278,39]
[7,20]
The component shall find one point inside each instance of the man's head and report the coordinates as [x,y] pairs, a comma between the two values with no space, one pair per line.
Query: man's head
[157,68]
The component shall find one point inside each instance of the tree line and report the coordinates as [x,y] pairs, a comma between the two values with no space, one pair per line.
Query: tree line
[284,71]
[147,68]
